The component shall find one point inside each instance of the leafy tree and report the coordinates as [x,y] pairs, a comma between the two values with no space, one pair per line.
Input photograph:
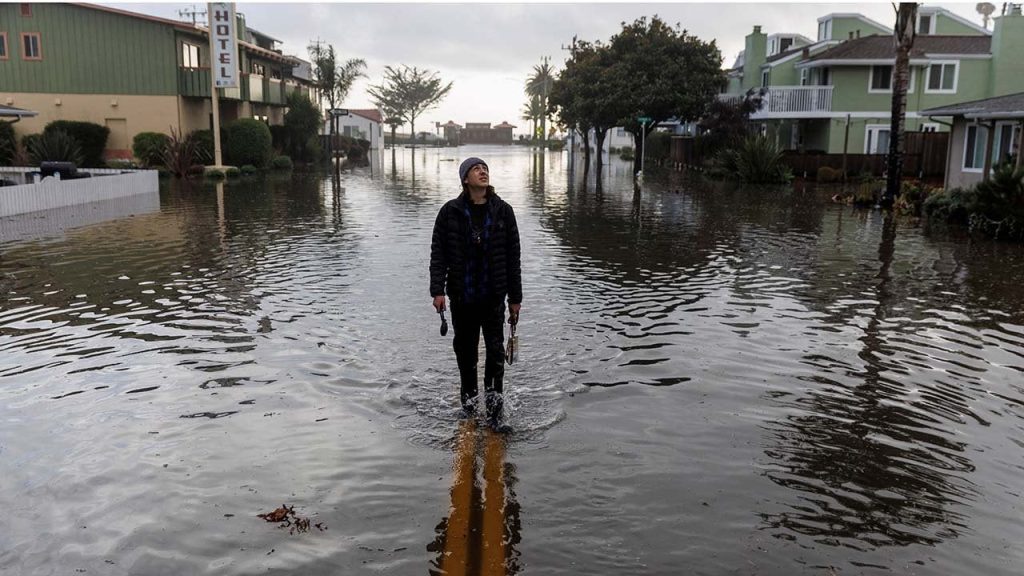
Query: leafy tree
[579,96]
[726,123]
[539,85]
[414,91]
[661,72]
[302,121]
[389,102]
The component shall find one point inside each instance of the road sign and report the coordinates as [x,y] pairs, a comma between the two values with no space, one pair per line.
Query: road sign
[644,119]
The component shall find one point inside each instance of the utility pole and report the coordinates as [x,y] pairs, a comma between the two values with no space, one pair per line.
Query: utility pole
[572,129]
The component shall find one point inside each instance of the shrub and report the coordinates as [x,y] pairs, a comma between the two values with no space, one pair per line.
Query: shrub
[215,174]
[247,142]
[8,144]
[181,155]
[827,175]
[203,140]
[249,169]
[756,159]
[281,163]
[148,148]
[315,150]
[280,139]
[301,123]
[91,138]
[53,146]
[121,164]
[232,172]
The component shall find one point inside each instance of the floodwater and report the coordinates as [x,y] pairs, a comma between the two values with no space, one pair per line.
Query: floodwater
[711,380]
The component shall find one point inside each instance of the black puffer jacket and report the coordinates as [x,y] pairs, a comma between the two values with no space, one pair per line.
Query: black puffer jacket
[451,241]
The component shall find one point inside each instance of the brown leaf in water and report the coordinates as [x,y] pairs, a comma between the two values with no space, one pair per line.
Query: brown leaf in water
[279,515]
[289,519]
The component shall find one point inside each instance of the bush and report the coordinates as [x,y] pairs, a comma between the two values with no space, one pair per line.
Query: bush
[827,175]
[8,144]
[215,174]
[53,146]
[148,148]
[281,163]
[203,140]
[756,159]
[249,169]
[181,155]
[315,151]
[301,123]
[247,141]
[232,172]
[121,164]
[280,139]
[91,138]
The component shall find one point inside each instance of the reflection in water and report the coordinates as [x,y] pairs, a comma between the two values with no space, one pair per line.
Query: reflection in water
[480,534]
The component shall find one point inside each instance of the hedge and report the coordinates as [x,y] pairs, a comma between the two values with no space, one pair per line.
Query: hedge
[92,138]
[247,141]
[148,148]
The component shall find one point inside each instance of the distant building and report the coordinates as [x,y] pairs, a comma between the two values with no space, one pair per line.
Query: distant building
[452,132]
[483,133]
[365,124]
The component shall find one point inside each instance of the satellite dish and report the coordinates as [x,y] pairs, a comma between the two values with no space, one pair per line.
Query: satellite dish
[986,9]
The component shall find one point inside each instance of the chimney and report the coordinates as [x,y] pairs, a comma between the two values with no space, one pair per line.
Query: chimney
[757,29]
[755,54]
[1007,42]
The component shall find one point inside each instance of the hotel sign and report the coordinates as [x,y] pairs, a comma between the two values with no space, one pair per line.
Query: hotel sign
[223,44]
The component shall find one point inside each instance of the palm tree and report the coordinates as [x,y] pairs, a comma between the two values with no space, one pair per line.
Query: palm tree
[539,84]
[533,111]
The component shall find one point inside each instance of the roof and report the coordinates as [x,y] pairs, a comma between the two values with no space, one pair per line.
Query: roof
[782,55]
[12,112]
[1009,106]
[877,47]
[175,23]
[504,124]
[450,124]
[369,114]
[860,17]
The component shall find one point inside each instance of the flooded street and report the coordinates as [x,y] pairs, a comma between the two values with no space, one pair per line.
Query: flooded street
[711,381]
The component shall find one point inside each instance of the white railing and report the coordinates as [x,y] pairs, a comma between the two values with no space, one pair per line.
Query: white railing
[730,98]
[789,99]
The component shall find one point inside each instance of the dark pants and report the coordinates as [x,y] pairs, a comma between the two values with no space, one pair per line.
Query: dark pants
[468,320]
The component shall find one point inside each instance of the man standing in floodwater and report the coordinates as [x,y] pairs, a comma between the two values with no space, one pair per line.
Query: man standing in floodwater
[474,253]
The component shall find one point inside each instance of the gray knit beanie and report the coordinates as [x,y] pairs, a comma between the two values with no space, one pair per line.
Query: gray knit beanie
[467,165]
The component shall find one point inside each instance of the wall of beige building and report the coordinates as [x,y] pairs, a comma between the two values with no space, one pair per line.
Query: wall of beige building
[955,175]
[125,115]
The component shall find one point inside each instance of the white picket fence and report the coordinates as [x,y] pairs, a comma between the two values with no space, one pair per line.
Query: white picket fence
[105,184]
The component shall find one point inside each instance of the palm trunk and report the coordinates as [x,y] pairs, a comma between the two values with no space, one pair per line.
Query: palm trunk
[904,40]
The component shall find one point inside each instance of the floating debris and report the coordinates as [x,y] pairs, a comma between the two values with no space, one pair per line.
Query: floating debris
[286,516]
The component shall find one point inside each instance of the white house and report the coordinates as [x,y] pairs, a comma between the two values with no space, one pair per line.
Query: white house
[365,124]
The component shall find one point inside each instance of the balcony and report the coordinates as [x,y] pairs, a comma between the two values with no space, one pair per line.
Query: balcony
[194,82]
[795,102]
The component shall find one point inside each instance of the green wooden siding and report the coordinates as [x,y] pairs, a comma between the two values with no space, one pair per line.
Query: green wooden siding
[1007,76]
[851,88]
[88,51]
[944,25]
[842,28]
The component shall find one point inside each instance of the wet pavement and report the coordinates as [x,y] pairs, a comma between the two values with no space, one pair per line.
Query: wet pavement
[711,380]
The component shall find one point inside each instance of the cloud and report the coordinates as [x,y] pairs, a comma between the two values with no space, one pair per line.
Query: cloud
[489,49]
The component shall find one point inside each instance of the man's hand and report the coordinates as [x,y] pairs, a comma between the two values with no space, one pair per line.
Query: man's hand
[513,313]
[439,303]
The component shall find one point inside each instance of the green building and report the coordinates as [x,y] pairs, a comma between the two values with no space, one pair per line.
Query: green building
[132,72]
[835,94]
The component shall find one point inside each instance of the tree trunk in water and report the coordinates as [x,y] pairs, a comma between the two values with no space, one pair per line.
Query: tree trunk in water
[903,37]
[586,149]
[412,130]
[393,140]
[544,131]
[599,135]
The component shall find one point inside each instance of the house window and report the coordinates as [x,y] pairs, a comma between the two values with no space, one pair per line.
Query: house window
[876,139]
[31,49]
[26,10]
[259,69]
[976,145]
[620,132]
[803,76]
[975,140]
[881,79]
[825,30]
[764,78]
[925,24]
[3,45]
[942,77]
[189,55]
[275,73]
[785,44]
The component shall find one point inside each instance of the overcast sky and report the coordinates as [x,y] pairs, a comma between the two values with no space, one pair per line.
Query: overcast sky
[488,50]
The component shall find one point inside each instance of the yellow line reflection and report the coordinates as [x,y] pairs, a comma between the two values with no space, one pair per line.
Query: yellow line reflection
[494,506]
[455,558]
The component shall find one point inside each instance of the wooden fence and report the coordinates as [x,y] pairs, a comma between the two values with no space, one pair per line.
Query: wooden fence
[924,157]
